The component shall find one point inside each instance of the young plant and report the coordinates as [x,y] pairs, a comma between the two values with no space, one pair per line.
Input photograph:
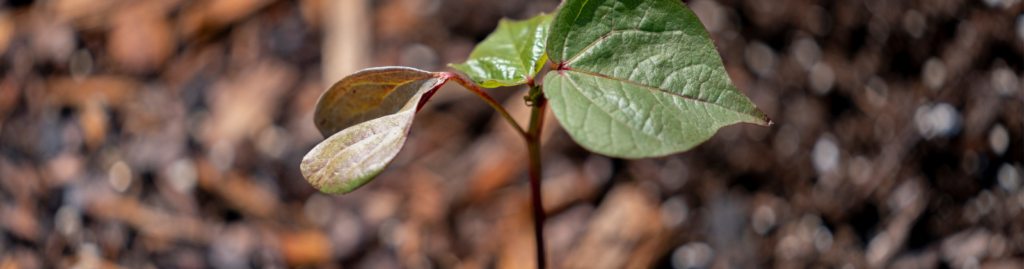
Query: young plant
[629,79]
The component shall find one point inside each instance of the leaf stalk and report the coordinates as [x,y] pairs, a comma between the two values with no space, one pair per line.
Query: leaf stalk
[487,98]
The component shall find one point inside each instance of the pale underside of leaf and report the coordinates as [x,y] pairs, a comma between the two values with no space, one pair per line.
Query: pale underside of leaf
[351,157]
[511,55]
[639,79]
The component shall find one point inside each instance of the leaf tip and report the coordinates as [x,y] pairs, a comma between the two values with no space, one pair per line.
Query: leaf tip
[763,119]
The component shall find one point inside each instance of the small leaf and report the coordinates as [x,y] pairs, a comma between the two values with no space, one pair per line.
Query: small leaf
[366,95]
[374,110]
[638,79]
[511,55]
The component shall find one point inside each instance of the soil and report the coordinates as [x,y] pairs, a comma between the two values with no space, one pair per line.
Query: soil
[168,134]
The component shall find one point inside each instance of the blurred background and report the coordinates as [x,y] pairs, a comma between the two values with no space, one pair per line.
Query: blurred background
[168,134]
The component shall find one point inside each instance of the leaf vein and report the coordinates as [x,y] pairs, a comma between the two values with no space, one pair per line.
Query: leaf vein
[577,88]
[515,48]
[662,90]
[571,26]
[605,36]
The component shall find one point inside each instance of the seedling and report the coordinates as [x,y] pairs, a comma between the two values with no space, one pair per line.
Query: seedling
[629,79]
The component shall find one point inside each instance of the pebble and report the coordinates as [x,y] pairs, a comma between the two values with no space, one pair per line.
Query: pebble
[914,23]
[674,212]
[787,141]
[763,219]
[710,14]
[112,234]
[418,55]
[385,205]
[598,169]
[182,175]
[222,155]
[140,39]
[120,176]
[674,174]
[825,155]
[818,20]
[1005,4]
[564,229]
[54,42]
[970,263]
[878,249]
[89,256]
[392,232]
[1008,177]
[1020,27]
[999,139]
[424,8]
[788,248]
[964,245]
[760,58]
[1020,198]
[807,226]
[985,202]
[946,119]
[996,246]
[81,64]
[966,34]
[232,247]
[273,141]
[318,209]
[822,239]
[66,167]
[904,195]
[941,120]
[879,29]
[860,170]
[806,53]
[67,221]
[346,233]
[1004,81]
[821,78]
[933,73]
[877,91]
[923,121]
[692,255]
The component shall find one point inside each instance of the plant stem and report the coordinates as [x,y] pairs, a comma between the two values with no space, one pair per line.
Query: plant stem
[536,98]
[533,145]
[487,98]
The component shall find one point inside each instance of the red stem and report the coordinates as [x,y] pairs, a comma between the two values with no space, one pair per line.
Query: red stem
[483,95]
[532,137]
[533,145]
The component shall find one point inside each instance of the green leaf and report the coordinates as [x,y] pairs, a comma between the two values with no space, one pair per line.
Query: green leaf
[511,55]
[638,79]
[373,109]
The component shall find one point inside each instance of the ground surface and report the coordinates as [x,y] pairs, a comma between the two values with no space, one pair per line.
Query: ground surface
[168,134]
